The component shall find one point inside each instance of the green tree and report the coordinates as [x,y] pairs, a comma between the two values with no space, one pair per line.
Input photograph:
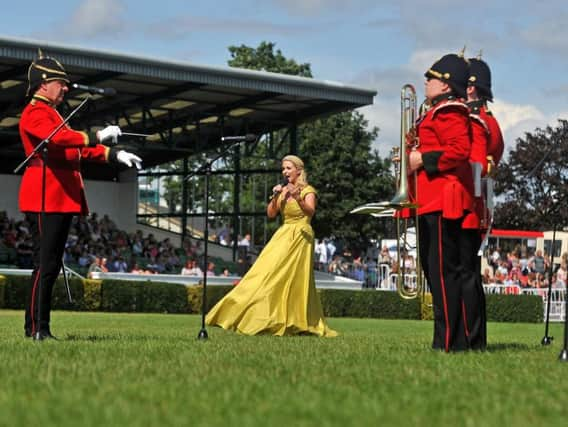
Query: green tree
[347,173]
[532,183]
[220,194]
[264,58]
[339,158]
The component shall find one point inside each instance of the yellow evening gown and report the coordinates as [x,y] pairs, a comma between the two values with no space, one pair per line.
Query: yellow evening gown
[278,295]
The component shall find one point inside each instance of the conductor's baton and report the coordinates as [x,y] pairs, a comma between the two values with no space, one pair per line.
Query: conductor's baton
[142,135]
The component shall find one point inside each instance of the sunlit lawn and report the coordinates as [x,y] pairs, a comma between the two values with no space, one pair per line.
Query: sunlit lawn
[150,370]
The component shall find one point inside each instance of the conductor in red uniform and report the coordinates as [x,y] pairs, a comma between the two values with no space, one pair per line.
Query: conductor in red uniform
[487,150]
[64,189]
[444,194]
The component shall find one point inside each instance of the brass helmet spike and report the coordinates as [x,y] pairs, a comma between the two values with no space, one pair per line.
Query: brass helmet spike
[480,54]
[462,55]
[39,53]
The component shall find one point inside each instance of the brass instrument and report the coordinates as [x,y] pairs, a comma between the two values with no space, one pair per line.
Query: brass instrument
[408,285]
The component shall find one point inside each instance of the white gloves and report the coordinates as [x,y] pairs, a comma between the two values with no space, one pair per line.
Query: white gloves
[109,134]
[128,158]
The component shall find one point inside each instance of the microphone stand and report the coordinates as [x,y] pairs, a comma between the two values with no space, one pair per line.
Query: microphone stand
[547,340]
[206,167]
[66,281]
[563,356]
[42,149]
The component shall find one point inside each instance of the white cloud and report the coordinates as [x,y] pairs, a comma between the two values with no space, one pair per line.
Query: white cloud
[385,112]
[514,119]
[550,33]
[319,7]
[182,25]
[302,6]
[97,17]
[511,115]
[90,19]
[422,60]
[385,115]
[518,119]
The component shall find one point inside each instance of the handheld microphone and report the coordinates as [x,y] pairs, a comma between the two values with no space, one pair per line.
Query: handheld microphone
[284,183]
[106,91]
[249,137]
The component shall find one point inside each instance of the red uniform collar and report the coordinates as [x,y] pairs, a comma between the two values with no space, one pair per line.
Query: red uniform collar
[475,106]
[42,98]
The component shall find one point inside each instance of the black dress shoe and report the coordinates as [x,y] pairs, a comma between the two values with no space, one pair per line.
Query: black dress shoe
[43,335]
[28,333]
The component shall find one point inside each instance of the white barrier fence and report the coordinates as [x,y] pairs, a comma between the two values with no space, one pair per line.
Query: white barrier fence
[323,280]
[387,282]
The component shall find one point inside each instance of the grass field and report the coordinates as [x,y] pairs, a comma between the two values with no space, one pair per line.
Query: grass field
[150,370]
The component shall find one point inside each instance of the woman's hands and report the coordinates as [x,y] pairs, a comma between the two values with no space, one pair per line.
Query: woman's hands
[307,203]
[277,189]
[289,191]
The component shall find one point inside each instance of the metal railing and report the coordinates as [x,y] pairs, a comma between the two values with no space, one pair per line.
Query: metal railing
[386,281]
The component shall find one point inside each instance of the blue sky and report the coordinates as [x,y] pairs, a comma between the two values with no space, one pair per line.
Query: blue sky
[374,44]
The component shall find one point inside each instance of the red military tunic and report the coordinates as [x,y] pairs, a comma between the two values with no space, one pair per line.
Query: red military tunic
[65,192]
[496,144]
[445,183]
[487,142]
[479,142]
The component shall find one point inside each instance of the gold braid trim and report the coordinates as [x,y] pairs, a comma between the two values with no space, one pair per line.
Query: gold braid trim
[50,70]
[438,75]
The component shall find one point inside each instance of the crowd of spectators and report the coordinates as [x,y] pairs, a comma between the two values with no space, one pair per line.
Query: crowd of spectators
[96,244]
[515,268]
[520,268]
[335,258]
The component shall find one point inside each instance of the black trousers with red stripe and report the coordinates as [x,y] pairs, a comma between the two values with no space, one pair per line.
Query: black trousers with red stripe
[49,244]
[473,294]
[442,254]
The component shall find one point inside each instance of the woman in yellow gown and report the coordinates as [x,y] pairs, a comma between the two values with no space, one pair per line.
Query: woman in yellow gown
[278,294]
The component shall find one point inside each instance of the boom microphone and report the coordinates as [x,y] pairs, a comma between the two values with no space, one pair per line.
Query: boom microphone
[249,137]
[104,91]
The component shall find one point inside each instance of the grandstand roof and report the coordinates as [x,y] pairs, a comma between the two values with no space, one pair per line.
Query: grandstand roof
[185,107]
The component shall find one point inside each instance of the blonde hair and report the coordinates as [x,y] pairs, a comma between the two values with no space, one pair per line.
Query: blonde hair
[296,161]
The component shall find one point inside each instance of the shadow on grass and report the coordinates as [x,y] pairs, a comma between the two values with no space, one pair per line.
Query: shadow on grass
[103,338]
[510,346]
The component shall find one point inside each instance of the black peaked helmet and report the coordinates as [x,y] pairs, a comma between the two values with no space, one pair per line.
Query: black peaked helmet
[45,69]
[480,77]
[453,70]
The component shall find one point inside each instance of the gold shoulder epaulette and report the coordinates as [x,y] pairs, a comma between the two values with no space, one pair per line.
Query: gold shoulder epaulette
[453,103]
[478,119]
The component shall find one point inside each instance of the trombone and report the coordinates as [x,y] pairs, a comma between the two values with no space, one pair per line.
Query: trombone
[408,285]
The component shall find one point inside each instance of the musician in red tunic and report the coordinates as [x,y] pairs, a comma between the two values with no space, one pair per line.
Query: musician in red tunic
[487,150]
[444,194]
[64,189]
